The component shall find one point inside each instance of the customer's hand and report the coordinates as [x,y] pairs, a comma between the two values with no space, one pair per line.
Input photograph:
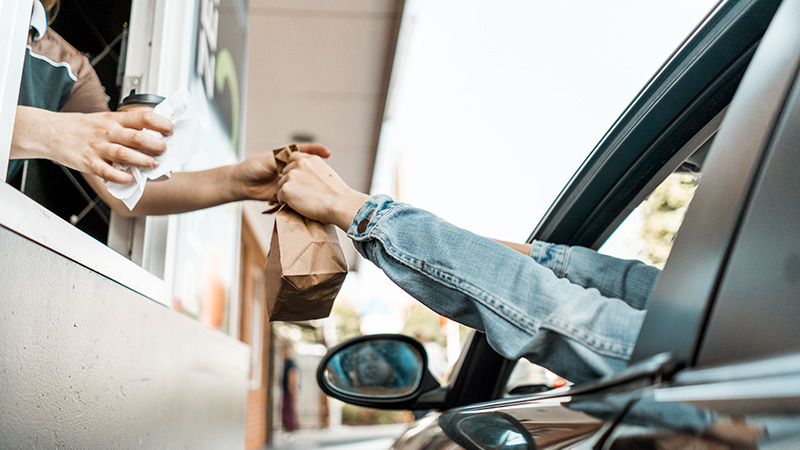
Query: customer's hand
[313,189]
[256,178]
[90,143]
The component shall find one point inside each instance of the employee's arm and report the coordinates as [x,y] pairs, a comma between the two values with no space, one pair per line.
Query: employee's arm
[89,143]
[255,178]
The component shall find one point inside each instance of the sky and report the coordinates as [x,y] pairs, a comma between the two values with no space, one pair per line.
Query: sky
[493,107]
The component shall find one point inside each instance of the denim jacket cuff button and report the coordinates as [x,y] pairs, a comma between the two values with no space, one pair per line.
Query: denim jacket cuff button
[362,226]
[368,214]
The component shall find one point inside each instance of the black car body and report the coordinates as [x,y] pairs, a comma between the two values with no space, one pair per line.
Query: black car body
[717,362]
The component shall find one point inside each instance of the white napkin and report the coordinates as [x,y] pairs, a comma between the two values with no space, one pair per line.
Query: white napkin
[181,145]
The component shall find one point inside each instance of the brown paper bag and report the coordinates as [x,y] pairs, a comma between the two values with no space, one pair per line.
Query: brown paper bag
[305,266]
[281,159]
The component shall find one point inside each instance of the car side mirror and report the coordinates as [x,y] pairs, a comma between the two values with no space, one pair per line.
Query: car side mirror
[381,371]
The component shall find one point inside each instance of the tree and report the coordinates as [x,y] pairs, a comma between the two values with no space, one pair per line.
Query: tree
[663,214]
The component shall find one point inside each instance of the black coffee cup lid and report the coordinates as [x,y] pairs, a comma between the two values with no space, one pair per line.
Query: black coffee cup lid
[140,99]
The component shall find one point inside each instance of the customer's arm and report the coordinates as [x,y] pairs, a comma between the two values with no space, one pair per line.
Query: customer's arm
[524,309]
[630,280]
[314,190]
[90,142]
[525,249]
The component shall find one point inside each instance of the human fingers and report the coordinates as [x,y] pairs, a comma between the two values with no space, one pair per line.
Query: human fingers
[297,180]
[137,140]
[108,172]
[290,166]
[117,153]
[314,149]
[315,191]
[144,119]
[306,163]
[294,189]
[299,156]
[312,176]
[281,181]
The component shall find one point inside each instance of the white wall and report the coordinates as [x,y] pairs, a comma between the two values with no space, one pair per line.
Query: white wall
[88,363]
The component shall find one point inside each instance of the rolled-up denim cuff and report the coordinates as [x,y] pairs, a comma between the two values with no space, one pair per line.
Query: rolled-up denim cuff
[551,256]
[367,218]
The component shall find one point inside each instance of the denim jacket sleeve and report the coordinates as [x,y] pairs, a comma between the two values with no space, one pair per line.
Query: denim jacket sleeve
[631,281]
[522,306]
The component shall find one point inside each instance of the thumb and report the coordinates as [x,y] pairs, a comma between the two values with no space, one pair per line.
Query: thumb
[314,149]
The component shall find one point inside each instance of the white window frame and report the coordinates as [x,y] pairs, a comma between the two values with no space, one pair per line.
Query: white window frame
[141,253]
[22,215]
[155,69]
[14,24]
[149,242]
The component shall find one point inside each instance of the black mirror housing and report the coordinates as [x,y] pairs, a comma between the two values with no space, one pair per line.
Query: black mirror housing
[382,371]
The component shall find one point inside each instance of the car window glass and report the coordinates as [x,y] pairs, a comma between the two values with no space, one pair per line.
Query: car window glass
[646,234]
[649,230]
[529,378]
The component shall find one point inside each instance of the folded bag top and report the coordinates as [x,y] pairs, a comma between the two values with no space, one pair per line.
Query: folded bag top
[305,266]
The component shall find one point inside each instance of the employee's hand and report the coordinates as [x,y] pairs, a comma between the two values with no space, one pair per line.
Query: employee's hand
[313,189]
[90,143]
[256,178]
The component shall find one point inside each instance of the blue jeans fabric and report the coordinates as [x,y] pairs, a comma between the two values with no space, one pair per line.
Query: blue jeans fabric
[568,309]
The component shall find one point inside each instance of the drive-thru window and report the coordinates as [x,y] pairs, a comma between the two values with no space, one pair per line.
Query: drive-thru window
[142,47]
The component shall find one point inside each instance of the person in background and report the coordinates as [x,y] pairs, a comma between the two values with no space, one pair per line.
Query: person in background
[290,382]
[63,116]
[568,309]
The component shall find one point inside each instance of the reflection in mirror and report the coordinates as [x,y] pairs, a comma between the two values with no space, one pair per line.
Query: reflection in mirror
[486,431]
[380,368]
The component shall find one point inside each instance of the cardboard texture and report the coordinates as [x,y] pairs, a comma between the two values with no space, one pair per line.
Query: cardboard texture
[305,266]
